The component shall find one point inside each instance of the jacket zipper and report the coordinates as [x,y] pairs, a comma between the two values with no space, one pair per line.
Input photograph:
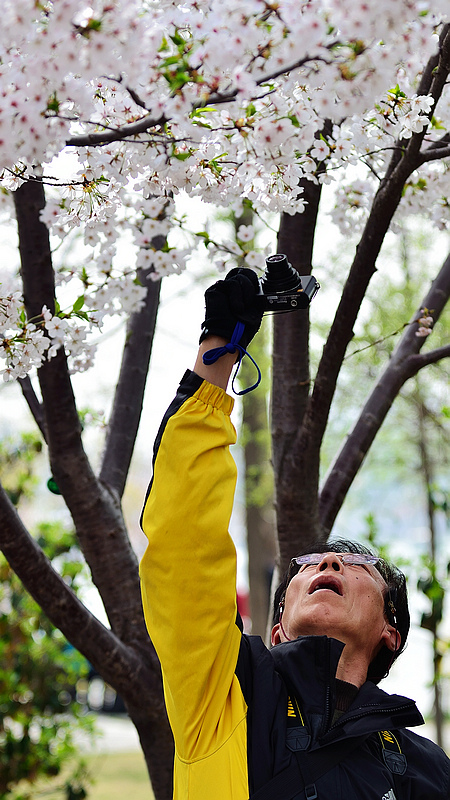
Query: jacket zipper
[368,713]
[326,726]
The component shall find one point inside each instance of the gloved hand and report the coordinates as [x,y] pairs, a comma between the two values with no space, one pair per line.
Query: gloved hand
[230,301]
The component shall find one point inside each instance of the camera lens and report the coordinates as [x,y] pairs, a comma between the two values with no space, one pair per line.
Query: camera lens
[280,277]
[275,258]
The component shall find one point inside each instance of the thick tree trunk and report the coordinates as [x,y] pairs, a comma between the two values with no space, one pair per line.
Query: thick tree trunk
[297,473]
[260,516]
[156,741]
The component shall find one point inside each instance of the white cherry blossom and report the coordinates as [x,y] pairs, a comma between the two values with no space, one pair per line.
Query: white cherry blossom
[229,100]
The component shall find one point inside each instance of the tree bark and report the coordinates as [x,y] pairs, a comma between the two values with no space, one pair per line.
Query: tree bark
[296,478]
[260,517]
[428,482]
[34,404]
[131,669]
[119,664]
[155,737]
[129,396]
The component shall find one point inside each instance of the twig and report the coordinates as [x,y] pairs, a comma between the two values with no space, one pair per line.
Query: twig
[378,341]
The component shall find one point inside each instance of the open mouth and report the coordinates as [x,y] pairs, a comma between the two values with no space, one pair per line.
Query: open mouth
[326,583]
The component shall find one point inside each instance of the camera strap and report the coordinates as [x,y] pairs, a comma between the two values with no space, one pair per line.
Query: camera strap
[309,766]
[211,356]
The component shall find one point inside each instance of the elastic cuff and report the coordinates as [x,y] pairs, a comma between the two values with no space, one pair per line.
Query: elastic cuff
[212,395]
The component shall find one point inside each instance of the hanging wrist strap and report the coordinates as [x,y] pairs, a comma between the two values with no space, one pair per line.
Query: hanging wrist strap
[211,356]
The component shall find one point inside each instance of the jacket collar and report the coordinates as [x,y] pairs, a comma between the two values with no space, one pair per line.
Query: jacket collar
[308,667]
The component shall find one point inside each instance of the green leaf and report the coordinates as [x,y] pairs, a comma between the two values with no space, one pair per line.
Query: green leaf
[170,61]
[53,103]
[178,40]
[436,124]
[201,123]
[397,92]
[180,79]
[94,25]
[197,112]
[78,304]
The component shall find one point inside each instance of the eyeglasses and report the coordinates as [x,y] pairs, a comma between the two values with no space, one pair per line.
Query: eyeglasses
[346,558]
[313,559]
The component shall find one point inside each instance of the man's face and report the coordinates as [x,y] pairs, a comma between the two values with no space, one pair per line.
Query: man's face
[343,601]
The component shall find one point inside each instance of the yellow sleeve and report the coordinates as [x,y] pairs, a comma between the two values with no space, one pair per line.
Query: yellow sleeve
[188,572]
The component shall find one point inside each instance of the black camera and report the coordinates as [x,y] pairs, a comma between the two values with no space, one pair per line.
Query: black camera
[283,289]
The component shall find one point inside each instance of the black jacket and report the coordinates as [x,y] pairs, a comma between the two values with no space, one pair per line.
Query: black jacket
[308,667]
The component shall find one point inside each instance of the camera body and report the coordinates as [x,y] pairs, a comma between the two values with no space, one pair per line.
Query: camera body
[283,289]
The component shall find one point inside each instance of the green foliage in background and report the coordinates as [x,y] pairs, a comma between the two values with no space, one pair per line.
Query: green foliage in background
[40,717]
[413,445]
[404,265]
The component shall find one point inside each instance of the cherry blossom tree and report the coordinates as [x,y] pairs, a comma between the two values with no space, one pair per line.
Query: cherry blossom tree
[107,113]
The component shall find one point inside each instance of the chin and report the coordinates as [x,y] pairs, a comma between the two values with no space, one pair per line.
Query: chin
[321,622]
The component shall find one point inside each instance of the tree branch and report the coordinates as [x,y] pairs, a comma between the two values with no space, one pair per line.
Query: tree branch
[405,363]
[145,123]
[121,666]
[117,135]
[34,404]
[96,513]
[434,155]
[418,362]
[129,395]
[125,657]
[383,209]
[432,83]
[444,141]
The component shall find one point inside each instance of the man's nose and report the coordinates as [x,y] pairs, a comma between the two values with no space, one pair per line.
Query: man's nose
[330,560]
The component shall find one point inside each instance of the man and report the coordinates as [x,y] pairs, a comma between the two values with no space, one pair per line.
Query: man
[304,719]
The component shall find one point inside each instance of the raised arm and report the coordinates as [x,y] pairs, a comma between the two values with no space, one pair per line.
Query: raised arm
[188,572]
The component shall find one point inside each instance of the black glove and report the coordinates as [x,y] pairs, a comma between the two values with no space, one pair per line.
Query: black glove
[230,301]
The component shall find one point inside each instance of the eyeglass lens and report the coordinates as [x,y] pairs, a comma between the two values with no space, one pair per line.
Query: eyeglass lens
[347,558]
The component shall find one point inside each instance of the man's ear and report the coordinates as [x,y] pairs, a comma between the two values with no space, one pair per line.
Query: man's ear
[275,636]
[391,638]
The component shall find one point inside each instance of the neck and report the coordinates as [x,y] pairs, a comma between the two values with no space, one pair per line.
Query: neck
[352,667]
